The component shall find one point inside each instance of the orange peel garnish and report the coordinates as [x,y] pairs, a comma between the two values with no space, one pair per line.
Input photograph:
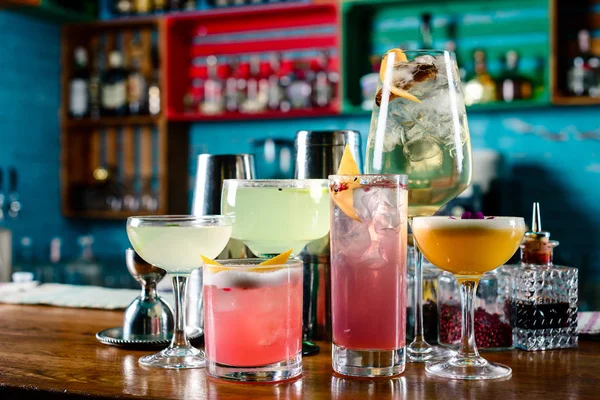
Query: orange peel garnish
[215,266]
[399,56]
[343,194]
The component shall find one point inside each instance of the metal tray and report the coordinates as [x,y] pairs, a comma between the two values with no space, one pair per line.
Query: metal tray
[114,337]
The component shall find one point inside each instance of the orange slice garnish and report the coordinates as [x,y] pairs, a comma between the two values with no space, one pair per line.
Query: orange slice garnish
[343,194]
[212,265]
[399,56]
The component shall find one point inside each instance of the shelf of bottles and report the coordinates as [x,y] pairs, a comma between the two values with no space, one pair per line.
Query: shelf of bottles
[577,51]
[112,126]
[503,63]
[237,65]
[135,8]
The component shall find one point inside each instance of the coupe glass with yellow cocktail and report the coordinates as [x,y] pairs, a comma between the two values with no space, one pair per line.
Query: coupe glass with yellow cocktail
[468,248]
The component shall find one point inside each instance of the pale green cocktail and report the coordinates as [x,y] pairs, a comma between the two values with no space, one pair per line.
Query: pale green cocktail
[272,216]
[177,249]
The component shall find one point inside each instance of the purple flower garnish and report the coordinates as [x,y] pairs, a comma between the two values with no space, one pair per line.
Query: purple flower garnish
[451,217]
[470,215]
[490,217]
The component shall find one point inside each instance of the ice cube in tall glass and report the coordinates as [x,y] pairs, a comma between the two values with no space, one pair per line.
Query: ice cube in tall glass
[368,268]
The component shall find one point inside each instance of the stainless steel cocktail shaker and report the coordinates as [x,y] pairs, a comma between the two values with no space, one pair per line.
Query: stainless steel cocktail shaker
[318,155]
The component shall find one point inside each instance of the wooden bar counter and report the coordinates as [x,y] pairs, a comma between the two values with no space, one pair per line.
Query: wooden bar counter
[51,353]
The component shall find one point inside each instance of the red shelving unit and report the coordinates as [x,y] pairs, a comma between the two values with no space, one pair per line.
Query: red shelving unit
[248,30]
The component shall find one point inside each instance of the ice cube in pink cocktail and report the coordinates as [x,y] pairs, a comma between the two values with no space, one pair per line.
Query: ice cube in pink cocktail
[253,316]
[368,275]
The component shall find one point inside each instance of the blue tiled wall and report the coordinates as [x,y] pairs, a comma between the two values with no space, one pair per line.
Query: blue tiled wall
[550,155]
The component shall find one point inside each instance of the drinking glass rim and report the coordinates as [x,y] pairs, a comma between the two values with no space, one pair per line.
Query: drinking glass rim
[295,183]
[503,221]
[427,51]
[158,220]
[237,264]
[402,181]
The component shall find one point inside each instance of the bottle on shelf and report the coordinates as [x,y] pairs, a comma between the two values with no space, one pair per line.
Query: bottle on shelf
[512,86]
[137,90]
[322,86]
[481,88]
[257,89]
[286,78]
[142,6]
[299,92]
[154,92]
[175,5]
[239,2]
[544,304]
[369,83]
[426,31]
[114,86]
[79,104]
[123,7]
[160,6]
[189,5]
[231,85]
[213,89]
[52,271]
[275,94]
[581,77]
[223,3]
[94,87]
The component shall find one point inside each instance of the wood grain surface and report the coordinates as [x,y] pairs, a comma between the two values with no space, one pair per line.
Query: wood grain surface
[49,353]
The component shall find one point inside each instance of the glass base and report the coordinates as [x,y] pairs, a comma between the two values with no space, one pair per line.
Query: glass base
[368,363]
[424,352]
[265,373]
[175,358]
[476,368]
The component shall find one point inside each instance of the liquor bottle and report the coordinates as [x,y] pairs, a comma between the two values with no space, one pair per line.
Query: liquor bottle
[94,88]
[79,86]
[426,31]
[175,5]
[322,87]
[369,82]
[25,260]
[137,90]
[114,86]
[299,92]
[123,7]
[275,94]
[544,304]
[481,88]
[153,98]
[257,97]
[580,77]
[142,6]
[222,3]
[231,88]
[512,86]
[213,89]
[189,5]
[286,78]
[239,2]
[160,6]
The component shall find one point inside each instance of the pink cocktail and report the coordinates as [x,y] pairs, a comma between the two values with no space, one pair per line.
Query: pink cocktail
[253,320]
[368,267]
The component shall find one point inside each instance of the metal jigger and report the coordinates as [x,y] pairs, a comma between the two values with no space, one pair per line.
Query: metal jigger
[148,317]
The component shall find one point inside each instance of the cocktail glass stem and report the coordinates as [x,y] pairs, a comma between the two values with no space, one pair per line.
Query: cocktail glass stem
[180,339]
[467,363]
[179,354]
[467,352]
